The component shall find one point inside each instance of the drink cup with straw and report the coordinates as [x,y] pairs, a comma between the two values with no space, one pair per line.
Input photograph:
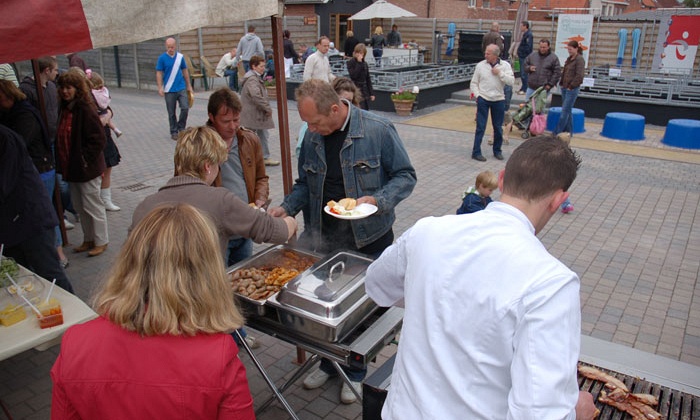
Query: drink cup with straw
[48,295]
[34,308]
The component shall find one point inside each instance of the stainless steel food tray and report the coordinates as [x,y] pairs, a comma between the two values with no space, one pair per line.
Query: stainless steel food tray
[269,257]
[327,301]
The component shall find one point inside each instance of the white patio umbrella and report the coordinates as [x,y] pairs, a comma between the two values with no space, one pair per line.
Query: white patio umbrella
[381,9]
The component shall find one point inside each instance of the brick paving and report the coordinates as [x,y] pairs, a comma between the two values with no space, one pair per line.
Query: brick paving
[634,240]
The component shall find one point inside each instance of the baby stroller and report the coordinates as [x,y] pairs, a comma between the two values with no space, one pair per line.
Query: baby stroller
[522,117]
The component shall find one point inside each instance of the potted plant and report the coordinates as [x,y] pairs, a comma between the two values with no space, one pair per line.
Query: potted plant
[404,100]
[270,85]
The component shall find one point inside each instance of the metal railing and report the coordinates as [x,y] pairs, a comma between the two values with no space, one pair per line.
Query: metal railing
[655,88]
[393,79]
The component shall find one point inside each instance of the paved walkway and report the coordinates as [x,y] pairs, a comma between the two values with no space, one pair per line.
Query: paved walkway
[634,239]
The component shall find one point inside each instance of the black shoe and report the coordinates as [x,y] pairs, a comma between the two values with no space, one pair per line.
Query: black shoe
[480,158]
[498,156]
[173,136]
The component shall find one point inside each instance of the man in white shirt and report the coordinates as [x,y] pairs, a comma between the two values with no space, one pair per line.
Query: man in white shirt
[317,65]
[490,77]
[492,322]
[228,67]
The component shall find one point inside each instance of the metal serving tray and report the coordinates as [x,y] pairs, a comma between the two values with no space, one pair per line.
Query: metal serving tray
[327,301]
[270,257]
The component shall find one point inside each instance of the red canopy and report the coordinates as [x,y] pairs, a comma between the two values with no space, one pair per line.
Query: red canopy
[32,28]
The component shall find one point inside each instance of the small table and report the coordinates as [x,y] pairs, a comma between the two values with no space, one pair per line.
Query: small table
[26,334]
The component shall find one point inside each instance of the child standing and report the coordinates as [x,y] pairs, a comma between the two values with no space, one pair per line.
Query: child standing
[477,197]
[112,157]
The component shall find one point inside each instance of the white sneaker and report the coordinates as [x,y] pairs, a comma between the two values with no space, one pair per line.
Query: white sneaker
[68,224]
[346,394]
[252,342]
[315,379]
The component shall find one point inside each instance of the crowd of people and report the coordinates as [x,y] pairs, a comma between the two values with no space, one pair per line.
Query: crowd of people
[166,311]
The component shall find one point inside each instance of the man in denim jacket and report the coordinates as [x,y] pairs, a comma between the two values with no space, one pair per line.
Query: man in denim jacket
[346,152]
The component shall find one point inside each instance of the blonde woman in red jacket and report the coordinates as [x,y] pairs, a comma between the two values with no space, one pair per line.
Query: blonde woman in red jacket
[160,348]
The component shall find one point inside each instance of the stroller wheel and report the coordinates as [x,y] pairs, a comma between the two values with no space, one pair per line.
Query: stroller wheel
[525,135]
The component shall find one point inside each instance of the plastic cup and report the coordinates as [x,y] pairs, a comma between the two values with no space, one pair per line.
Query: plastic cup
[51,313]
[12,314]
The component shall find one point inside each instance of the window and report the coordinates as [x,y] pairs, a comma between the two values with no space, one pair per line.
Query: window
[472,3]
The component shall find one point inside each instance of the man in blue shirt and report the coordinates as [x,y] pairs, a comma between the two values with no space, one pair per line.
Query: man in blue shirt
[173,79]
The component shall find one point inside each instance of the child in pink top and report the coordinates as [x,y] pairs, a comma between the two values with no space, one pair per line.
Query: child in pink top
[101,95]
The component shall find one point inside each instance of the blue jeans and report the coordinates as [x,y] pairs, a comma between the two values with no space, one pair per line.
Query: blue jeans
[232,79]
[377,53]
[508,92]
[49,179]
[482,114]
[238,250]
[566,120]
[246,65]
[523,73]
[172,99]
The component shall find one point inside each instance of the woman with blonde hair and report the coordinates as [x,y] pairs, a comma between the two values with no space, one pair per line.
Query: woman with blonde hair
[160,347]
[80,144]
[198,154]
[378,43]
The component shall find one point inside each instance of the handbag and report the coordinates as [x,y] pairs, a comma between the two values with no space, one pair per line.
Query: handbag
[538,123]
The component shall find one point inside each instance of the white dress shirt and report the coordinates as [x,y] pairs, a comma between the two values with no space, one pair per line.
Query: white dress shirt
[492,322]
[489,86]
[317,66]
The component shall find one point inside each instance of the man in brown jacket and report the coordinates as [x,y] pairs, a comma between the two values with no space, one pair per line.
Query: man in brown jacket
[243,173]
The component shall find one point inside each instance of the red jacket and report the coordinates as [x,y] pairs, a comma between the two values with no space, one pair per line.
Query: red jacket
[107,372]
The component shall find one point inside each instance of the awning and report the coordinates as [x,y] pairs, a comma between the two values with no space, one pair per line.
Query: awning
[34,28]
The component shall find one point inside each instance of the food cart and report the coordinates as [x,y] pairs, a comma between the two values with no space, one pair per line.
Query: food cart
[322,309]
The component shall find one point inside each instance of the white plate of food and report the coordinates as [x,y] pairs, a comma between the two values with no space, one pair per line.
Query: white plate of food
[348,209]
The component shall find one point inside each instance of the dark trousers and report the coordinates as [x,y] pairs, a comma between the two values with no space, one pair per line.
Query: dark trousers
[523,73]
[232,79]
[38,254]
[172,99]
[482,115]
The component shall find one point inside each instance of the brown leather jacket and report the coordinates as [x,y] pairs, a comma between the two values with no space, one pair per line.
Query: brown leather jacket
[572,73]
[256,180]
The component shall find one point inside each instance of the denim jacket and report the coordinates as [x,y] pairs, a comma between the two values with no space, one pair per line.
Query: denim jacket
[375,163]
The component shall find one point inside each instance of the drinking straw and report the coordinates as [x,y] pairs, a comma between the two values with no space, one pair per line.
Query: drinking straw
[48,295]
[20,294]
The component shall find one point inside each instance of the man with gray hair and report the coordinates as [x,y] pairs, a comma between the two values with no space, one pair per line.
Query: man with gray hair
[493,37]
[317,65]
[346,152]
[490,77]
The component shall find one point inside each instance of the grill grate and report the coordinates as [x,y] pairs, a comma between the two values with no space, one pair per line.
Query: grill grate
[673,404]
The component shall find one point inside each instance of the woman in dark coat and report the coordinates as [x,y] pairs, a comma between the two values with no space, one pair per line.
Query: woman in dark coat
[359,74]
[378,44]
[80,144]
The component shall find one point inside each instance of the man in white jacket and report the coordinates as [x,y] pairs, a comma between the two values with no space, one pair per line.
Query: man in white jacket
[490,77]
[492,325]
[317,65]
[228,67]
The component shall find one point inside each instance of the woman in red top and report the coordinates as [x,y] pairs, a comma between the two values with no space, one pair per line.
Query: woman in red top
[160,347]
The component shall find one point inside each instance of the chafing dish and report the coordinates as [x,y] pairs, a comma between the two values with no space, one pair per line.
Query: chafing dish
[274,256]
[327,301]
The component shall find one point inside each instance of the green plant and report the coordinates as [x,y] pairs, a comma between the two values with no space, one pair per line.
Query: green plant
[269,81]
[405,94]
